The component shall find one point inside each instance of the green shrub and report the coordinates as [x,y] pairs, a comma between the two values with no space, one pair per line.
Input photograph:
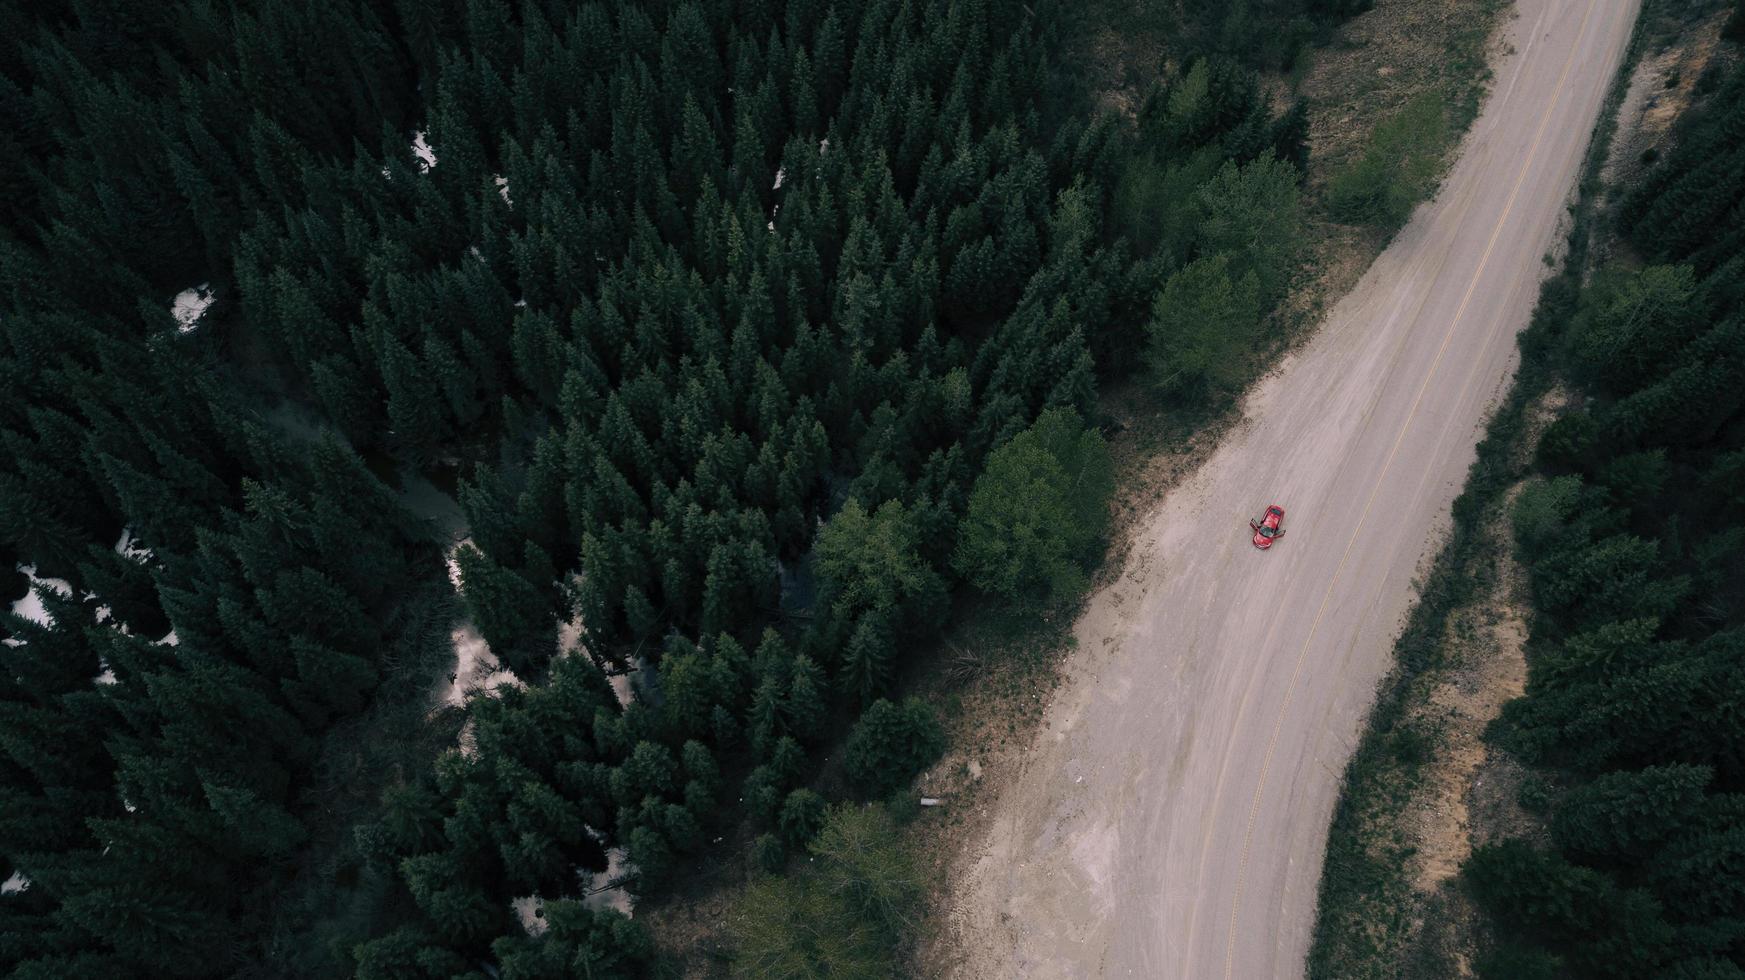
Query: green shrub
[1037,513]
[891,744]
[1397,169]
[802,815]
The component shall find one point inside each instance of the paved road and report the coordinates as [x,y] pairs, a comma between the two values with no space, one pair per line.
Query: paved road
[1171,819]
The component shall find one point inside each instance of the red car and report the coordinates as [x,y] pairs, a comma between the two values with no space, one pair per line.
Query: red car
[1268,529]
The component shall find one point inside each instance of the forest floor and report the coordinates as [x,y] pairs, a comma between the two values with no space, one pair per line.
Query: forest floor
[1439,788]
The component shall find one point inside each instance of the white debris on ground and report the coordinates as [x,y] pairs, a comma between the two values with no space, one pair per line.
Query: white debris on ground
[570,631]
[15,884]
[621,687]
[475,665]
[189,305]
[420,149]
[503,188]
[598,890]
[129,548]
[30,607]
[530,909]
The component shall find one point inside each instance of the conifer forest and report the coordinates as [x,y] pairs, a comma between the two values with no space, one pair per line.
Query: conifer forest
[747,336]
[1632,533]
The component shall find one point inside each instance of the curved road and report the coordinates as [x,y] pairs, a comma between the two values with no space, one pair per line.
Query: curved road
[1170,820]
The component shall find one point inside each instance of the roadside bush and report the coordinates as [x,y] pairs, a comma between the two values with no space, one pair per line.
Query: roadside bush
[890,744]
[839,917]
[1396,170]
[1540,512]
[1202,322]
[1037,513]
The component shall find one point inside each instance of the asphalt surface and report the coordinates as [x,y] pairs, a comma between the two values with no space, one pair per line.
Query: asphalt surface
[1171,818]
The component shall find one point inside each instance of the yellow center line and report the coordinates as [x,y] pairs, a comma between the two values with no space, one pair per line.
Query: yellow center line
[1332,583]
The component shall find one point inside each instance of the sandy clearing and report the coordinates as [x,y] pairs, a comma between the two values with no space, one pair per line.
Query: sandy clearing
[1171,816]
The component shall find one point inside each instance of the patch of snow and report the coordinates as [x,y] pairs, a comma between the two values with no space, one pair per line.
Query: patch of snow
[530,909]
[169,639]
[420,149]
[30,607]
[15,884]
[189,305]
[503,188]
[475,666]
[602,890]
[823,144]
[571,631]
[781,175]
[127,547]
[107,677]
[621,687]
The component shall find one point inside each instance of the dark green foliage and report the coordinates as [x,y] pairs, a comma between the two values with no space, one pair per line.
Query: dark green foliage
[1201,323]
[841,916]
[802,816]
[891,744]
[1638,658]
[577,941]
[1037,513]
[650,375]
[1610,931]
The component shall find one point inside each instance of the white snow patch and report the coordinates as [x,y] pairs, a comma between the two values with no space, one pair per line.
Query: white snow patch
[530,909]
[15,884]
[107,677]
[169,639]
[503,188]
[475,666]
[621,687]
[420,149]
[30,607]
[781,175]
[823,144]
[189,305]
[571,631]
[128,548]
[601,891]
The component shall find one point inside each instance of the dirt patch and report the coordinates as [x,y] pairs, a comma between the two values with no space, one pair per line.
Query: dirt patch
[1487,644]
[1663,85]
